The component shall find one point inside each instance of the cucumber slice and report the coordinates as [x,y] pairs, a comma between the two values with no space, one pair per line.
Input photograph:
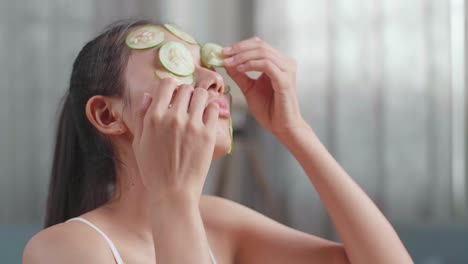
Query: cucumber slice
[161,74]
[232,136]
[176,31]
[230,100]
[227,89]
[211,55]
[176,58]
[145,37]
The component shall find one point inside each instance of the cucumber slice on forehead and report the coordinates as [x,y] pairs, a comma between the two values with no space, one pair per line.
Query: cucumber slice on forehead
[176,31]
[145,37]
[176,58]
[161,74]
[211,55]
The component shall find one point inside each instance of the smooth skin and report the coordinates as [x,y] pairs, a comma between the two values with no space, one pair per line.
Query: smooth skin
[167,151]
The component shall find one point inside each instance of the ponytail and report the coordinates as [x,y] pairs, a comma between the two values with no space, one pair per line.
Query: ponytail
[84,167]
[64,187]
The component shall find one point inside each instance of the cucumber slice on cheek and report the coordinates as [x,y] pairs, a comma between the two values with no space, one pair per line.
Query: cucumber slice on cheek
[161,74]
[145,37]
[231,134]
[211,55]
[176,58]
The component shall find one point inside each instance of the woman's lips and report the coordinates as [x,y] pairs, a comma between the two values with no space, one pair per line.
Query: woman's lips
[223,107]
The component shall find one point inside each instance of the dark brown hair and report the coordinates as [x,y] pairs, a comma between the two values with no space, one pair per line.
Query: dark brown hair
[84,165]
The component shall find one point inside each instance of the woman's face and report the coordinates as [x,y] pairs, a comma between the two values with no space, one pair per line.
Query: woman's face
[140,78]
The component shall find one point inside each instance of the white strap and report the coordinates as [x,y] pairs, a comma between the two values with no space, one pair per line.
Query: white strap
[116,254]
[213,260]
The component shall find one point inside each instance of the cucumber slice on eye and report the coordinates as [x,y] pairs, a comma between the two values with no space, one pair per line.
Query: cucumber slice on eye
[180,34]
[211,55]
[176,58]
[161,74]
[145,37]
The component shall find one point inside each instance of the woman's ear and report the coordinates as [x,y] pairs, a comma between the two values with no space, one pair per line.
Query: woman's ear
[103,112]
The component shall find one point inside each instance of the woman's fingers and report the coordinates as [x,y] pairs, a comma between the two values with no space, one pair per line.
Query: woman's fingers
[186,100]
[255,43]
[248,44]
[243,81]
[211,116]
[182,99]
[255,54]
[140,115]
[163,94]
[265,66]
[198,103]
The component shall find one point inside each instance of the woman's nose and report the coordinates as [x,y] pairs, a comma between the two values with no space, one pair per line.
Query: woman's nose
[211,80]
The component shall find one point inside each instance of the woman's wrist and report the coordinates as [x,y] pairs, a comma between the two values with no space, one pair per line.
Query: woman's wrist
[175,210]
[177,225]
[294,134]
[177,200]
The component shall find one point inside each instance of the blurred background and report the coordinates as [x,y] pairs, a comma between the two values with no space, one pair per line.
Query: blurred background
[382,82]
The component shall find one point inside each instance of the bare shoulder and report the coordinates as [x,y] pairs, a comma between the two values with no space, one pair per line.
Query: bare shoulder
[220,212]
[257,237]
[71,242]
[226,214]
[235,221]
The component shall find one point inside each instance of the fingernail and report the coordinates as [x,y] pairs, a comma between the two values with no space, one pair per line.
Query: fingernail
[227,49]
[229,60]
[146,99]
[241,67]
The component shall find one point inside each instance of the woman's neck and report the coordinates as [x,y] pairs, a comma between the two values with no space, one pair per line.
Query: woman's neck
[130,205]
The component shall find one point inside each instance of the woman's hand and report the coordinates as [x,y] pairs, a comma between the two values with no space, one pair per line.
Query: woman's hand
[174,141]
[272,97]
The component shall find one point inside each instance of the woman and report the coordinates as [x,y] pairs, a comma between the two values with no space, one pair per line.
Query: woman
[133,151]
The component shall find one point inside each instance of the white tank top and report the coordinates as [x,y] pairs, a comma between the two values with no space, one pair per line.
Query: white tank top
[109,242]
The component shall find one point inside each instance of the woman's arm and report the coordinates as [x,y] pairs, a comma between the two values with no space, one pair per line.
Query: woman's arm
[272,100]
[367,235]
[173,146]
[178,232]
